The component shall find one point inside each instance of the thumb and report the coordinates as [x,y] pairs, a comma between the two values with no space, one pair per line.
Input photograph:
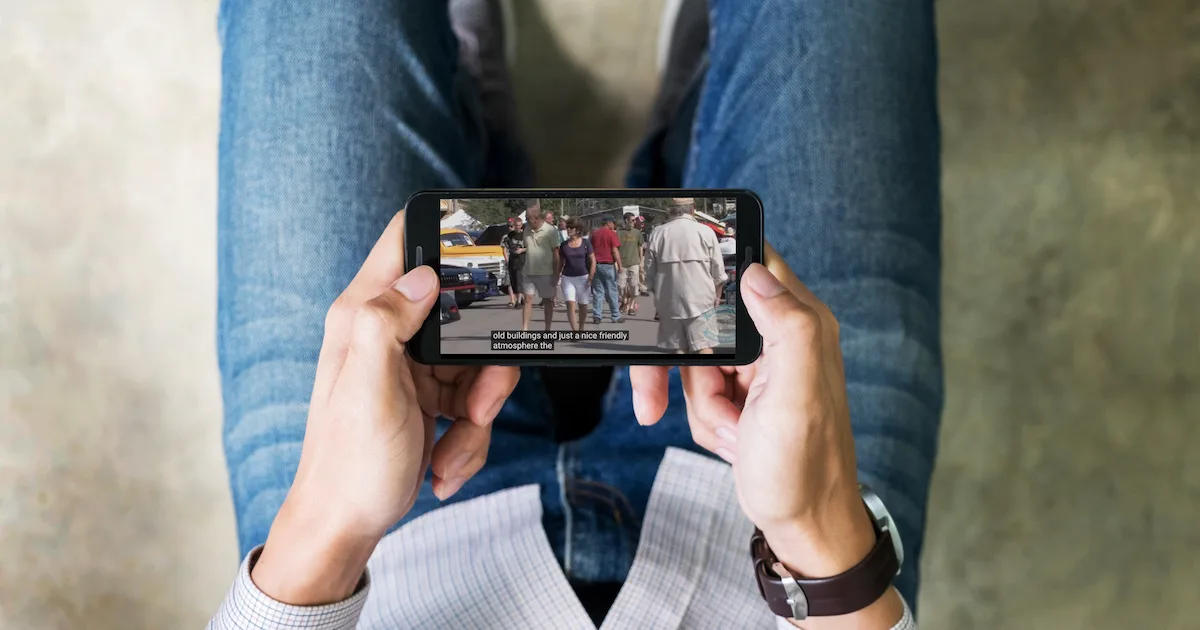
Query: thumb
[383,324]
[791,329]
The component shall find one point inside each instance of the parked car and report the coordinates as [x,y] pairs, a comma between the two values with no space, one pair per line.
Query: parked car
[486,284]
[459,282]
[458,248]
[448,307]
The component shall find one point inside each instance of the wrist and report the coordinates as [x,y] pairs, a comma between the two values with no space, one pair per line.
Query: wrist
[311,559]
[827,543]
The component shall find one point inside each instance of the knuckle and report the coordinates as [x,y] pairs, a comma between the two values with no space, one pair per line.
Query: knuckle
[804,323]
[374,321]
[829,322]
[833,327]
[340,313]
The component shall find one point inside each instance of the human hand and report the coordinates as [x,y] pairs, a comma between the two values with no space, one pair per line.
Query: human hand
[370,432]
[783,423]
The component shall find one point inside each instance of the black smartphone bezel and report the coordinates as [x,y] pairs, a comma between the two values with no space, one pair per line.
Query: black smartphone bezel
[423,217]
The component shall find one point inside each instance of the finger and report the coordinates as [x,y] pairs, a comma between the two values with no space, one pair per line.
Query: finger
[742,379]
[711,413]
[650,396]
[457,456]
[427,387]
[490,388]
[438,387]
[791,330]
[455,383]
[382,325]
[426,453]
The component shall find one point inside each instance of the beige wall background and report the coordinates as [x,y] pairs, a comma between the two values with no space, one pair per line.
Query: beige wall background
[1068,489]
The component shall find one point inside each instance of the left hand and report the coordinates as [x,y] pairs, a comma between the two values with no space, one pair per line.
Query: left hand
[369,438]
[783,423]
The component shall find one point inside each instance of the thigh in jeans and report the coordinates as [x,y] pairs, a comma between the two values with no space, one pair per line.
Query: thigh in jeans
[827,110]
[332,114]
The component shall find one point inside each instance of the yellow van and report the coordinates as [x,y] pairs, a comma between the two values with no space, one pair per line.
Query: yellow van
[458,248]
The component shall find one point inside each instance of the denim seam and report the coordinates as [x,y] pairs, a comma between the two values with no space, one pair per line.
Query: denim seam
[560,468]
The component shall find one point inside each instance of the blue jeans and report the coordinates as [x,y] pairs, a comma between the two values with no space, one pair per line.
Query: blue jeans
[604,289]
[333,113]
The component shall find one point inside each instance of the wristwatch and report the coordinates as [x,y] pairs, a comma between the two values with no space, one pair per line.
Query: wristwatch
[798,598]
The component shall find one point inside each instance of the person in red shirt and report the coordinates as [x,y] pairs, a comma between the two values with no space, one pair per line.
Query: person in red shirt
[606,245]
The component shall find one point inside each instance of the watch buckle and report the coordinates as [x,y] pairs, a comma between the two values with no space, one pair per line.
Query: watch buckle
[795,595]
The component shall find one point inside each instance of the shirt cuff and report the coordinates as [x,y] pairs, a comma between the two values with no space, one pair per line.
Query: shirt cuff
[906,622]
[248,608]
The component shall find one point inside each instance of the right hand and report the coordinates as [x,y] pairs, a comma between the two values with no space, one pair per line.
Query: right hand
[783,422]
[370,431]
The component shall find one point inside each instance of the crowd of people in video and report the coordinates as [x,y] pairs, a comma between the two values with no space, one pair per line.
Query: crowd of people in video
[678,263]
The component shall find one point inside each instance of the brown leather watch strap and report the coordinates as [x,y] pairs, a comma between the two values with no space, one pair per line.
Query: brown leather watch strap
[841,594]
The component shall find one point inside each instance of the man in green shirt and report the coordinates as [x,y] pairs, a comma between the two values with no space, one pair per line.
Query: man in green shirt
[629,278]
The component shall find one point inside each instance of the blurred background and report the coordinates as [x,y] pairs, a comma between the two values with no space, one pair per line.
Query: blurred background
[1067,493]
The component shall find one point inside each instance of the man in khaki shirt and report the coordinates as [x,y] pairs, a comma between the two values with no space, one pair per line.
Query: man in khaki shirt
[685,272]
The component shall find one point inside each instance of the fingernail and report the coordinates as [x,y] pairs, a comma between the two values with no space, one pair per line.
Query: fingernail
[494,411]
[761,281]
[727,455]
[457,466]
[728,435]
[637,406]
[416,284]
[450,486]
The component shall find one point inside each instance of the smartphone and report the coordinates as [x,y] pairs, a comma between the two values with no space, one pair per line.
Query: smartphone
[533,277]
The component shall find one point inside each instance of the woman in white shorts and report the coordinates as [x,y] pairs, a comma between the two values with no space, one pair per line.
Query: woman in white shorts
[577,267]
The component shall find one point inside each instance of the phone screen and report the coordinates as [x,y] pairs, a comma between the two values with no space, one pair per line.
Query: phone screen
[592,279]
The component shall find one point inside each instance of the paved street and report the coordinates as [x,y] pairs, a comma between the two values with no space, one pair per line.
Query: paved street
[473,334]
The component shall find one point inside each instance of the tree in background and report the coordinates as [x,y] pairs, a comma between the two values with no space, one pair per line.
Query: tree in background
[492,211]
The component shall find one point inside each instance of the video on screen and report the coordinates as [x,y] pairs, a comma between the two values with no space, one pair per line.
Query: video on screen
[588,276]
